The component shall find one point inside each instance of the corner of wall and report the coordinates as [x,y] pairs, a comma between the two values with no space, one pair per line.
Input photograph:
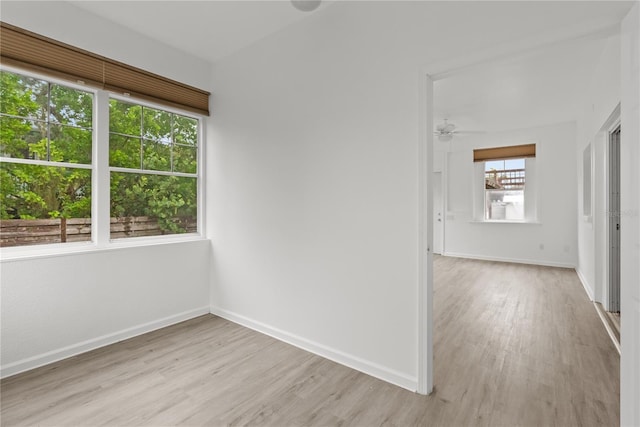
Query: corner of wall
[370,368]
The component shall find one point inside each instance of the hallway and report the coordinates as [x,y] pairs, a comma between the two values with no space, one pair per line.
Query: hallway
[523,343]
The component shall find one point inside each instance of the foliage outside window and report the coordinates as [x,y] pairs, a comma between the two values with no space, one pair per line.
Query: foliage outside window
[153,155]
[45,171]
[47,162]
[504,190]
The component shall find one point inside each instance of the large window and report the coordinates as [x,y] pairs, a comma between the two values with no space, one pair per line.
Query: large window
[46,151]
[504,183]
[51,165]
[153,156]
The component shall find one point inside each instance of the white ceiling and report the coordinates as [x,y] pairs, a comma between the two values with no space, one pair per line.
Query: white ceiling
[209,30]
[539,88]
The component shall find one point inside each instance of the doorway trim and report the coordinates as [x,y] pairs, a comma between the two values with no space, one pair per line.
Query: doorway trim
[425,236]
[612,123]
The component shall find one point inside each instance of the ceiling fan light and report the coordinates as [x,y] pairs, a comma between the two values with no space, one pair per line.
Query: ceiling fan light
[306,5]
[445,137]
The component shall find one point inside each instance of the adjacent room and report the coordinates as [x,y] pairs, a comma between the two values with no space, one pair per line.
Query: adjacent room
[320,212]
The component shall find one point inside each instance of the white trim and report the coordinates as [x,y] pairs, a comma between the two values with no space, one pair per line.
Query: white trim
[371,368]
[46,163]
[605,322]
[94,343]
[585,284]
[610,125]
[153,172]
[511,260]
[101,179]
[424,307]
[506,221]
[21,253]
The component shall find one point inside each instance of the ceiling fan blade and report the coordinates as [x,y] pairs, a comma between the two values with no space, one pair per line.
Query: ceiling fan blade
[470,132]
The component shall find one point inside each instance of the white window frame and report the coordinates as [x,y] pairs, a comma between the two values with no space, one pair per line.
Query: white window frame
[523,189]
[530,195]
[101,176]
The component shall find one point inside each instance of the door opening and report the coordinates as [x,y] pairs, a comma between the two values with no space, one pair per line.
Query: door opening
[614,223]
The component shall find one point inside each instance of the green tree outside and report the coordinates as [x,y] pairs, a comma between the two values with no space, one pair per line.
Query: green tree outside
[45,121]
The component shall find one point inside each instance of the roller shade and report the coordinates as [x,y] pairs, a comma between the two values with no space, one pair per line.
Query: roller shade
[504,153]
[34,52]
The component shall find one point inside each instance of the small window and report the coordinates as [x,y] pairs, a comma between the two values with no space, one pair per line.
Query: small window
[504,183]
[153,158]
[45,171]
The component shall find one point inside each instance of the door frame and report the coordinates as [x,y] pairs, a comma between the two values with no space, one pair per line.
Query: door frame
[612,123]
[608,218]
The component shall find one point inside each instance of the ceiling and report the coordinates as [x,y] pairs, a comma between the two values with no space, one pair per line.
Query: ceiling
[540,88]
[209,30]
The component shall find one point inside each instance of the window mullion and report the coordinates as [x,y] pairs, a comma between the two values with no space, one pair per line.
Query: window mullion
[101,222]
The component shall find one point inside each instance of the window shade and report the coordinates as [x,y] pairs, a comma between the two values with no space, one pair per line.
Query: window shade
[504,153]
[34,52]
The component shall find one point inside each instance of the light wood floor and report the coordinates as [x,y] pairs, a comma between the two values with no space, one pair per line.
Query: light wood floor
[514,345]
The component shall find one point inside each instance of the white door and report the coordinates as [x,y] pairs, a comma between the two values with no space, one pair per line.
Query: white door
[438,218]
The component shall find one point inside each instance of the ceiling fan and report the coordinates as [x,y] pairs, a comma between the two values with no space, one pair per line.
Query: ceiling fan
[445,131]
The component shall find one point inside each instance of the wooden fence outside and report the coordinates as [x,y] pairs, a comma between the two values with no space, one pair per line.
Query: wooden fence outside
[22,232]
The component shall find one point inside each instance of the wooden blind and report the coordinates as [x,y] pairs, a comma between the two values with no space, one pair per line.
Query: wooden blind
[504,153]
[34,52]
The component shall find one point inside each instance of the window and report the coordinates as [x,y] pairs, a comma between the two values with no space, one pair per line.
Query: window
[504,183]
[505,171]
[148,185]
[45,171]
[153,158]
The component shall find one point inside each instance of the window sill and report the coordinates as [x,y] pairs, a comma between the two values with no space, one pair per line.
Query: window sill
[488,221]
[82,248]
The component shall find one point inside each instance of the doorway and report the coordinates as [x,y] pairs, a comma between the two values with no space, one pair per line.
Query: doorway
[613,290]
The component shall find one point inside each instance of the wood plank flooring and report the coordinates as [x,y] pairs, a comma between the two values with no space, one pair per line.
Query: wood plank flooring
[515,345]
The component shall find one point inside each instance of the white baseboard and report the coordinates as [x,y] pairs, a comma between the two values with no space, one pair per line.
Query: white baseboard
[94,343]
[511,260]
[381,372]
[585,285]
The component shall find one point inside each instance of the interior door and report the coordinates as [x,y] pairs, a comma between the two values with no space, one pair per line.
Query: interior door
[438,220]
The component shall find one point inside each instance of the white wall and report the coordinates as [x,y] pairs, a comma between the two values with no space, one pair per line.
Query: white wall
[54,307]
[313,174]
[57,306]
[630,221]
[601,99]
[69,24]
[551,239]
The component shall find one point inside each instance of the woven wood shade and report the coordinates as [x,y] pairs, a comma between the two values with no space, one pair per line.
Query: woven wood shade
[34,52]
[504,153]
